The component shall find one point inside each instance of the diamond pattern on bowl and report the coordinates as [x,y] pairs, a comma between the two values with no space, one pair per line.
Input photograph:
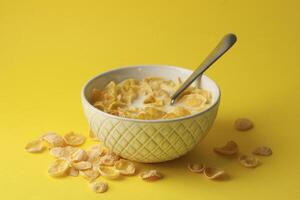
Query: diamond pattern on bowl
[150,142]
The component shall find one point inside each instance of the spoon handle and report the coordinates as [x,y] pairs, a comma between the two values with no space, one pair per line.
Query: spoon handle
[225,44]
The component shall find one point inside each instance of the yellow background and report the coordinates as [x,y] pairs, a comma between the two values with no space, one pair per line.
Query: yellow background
[49,49]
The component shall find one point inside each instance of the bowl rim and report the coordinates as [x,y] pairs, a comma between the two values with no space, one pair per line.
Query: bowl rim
[85,101]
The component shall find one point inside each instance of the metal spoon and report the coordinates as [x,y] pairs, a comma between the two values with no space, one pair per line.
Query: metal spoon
[225,44]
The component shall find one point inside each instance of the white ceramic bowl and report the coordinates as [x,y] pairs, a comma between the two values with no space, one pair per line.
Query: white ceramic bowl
[149,141]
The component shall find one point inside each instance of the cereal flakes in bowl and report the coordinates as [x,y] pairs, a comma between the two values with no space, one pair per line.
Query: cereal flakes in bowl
[128,109]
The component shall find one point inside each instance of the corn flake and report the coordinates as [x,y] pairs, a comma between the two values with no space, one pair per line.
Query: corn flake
[230,148]
[125,167]
[154,82]
[35,146]
[89,174]
[170,116]
[154,95]
[109,172]
[109,159]
[243,124]
[95,151]
[58,168]
[79,155]
[214,173]
[62,152]
[74,139]
[57,152]
[180,111]
[149,99]
[81,165]
[73,172]
[196,168]
[151,175]
[193,100]
[53,140]
[249,161]
[263,151]
[154,113]
[99,187]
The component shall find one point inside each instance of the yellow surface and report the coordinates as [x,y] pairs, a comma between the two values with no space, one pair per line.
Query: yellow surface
[49,49]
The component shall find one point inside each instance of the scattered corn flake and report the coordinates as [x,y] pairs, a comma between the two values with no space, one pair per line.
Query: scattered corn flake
[125,167]
[58,168]
[62,152]
[214,173]
[79,155]
[243,124]
[81,165]
[35,146]
[98,160]
[109,172]
[69,150]
[151,175]
[263,151]
[56,152]
[196,168]
[74,139]
[89,174]
[95,163]
[230,148]
[95,151]
[53,139]
[99,187]
[72,161]
[109,159]
[249,161]
[73,172]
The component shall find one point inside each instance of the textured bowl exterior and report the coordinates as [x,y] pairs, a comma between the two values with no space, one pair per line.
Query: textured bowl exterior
[150,142]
